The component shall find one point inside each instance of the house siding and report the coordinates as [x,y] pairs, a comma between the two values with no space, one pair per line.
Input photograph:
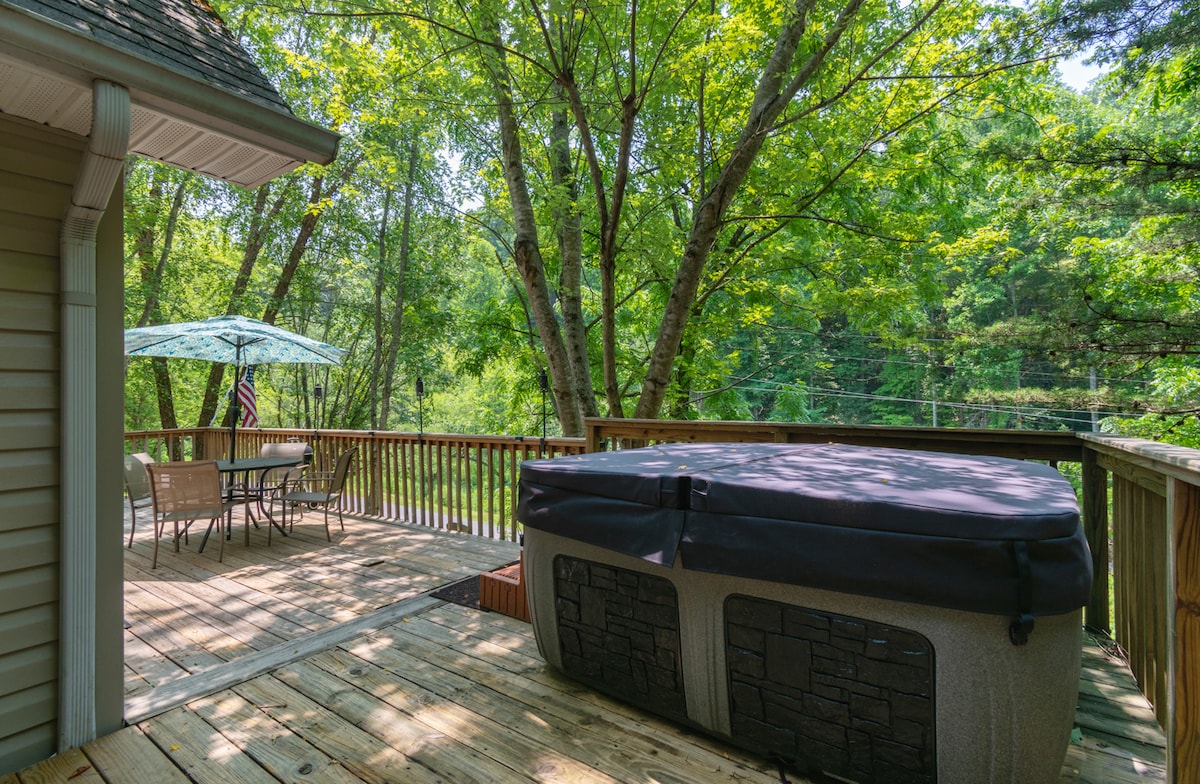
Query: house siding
[37,169]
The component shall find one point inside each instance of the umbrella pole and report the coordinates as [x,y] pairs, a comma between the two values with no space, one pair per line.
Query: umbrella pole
[237,407]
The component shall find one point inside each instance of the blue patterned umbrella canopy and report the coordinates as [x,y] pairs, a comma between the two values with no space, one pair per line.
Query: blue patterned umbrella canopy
[234,340]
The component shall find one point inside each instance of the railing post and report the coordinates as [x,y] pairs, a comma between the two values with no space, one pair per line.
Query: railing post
[373,497]
[1183,693]
[1095,527]
[591,432]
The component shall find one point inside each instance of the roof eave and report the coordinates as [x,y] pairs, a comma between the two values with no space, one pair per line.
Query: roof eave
[57,48]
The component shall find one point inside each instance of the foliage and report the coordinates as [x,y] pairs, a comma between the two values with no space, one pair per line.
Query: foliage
[931,225]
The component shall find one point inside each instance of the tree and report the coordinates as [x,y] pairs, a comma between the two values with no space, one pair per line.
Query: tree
[146,217]
[621,72]
[672,214]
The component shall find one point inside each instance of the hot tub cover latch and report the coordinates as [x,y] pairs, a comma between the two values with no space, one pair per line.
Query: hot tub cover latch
[1022,625]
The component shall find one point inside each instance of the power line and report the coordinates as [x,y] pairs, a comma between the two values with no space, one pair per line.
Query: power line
[991,409]
[1023,373]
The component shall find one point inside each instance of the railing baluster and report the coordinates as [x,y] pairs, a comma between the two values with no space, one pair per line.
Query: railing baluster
[500,475]
[460,517]
[478,462]
[441,485]
[422,507]
[396,490]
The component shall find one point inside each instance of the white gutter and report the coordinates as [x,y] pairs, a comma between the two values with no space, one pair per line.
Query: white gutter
[98,173]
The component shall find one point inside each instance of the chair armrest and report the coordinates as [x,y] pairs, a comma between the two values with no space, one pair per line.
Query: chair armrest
[291,480]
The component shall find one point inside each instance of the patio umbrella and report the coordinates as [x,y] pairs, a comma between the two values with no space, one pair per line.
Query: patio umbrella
[234,340]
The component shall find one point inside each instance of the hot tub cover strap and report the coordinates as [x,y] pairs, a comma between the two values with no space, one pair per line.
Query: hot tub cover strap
[1022,625]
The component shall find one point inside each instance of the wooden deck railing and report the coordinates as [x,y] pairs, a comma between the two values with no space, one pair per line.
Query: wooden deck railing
[468,483]
[452,482]
[1156,581]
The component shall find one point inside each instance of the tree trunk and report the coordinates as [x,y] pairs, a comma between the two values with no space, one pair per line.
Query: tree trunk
[377,357]
[773,94]
[256,237]
[318,199]
[526,252]
[570,249]
[164,393]
[308,224]
[152,278]
[608,211]
[389,376]
[151,275]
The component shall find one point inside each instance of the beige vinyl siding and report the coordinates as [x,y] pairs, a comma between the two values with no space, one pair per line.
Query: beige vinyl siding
[37,166]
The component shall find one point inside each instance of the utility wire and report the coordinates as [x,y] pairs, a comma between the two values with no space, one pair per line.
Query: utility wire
[773,386]
[1023,373]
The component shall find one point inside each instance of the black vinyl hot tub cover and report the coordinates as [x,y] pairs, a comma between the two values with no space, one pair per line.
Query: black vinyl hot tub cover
[983,534]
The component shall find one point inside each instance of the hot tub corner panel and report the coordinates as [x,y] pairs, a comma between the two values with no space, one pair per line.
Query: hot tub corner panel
[618,630]
[843,695]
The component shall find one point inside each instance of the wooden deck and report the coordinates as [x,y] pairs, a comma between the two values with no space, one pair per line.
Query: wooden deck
[317,662]
[193,613]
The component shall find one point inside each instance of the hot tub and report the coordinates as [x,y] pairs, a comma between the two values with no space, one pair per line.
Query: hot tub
[879,615]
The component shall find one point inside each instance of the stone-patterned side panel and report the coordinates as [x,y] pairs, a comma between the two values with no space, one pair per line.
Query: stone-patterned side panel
[850,697]
[619,632]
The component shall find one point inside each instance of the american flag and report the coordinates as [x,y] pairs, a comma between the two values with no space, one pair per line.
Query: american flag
[245,393]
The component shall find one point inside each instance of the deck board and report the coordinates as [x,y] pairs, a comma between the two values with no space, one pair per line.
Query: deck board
[207,756]
[135,755]
[193,612]
[278,750]
[503,688]
[1121,739]
[322,661]
[401,725]
[70,766]
[206,682]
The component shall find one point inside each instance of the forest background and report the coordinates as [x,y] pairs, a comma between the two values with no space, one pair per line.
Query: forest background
[851,211]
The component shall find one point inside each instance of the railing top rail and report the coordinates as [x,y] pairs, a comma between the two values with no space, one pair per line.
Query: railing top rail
[1024,444]
[326,433]
[1180,462]
[167,431]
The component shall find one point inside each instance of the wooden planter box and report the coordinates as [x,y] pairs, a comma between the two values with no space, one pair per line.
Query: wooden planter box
[504,591]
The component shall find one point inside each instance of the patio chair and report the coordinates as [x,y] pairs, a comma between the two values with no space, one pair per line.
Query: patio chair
[273,480]
[185,492]
[137,487]
[259,488]
[323,490]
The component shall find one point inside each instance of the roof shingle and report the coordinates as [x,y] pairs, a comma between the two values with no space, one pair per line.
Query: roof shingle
[185,36]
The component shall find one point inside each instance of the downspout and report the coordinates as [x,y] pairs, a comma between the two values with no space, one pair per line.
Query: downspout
[99,171]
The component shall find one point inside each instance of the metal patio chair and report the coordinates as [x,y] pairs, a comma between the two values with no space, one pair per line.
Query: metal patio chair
[184,492]
[272,481]
[315,490]
[137,487]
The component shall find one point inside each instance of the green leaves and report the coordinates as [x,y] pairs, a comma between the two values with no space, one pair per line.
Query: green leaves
[922,191]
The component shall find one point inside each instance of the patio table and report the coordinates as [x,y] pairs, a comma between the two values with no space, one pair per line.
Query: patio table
[248,466]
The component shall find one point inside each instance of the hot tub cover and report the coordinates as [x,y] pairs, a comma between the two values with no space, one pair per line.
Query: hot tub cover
[983,534]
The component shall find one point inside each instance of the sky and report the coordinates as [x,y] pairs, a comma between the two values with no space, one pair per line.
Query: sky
[1076,74]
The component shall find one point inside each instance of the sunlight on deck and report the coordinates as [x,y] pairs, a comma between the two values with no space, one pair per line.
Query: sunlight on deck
[312,660]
